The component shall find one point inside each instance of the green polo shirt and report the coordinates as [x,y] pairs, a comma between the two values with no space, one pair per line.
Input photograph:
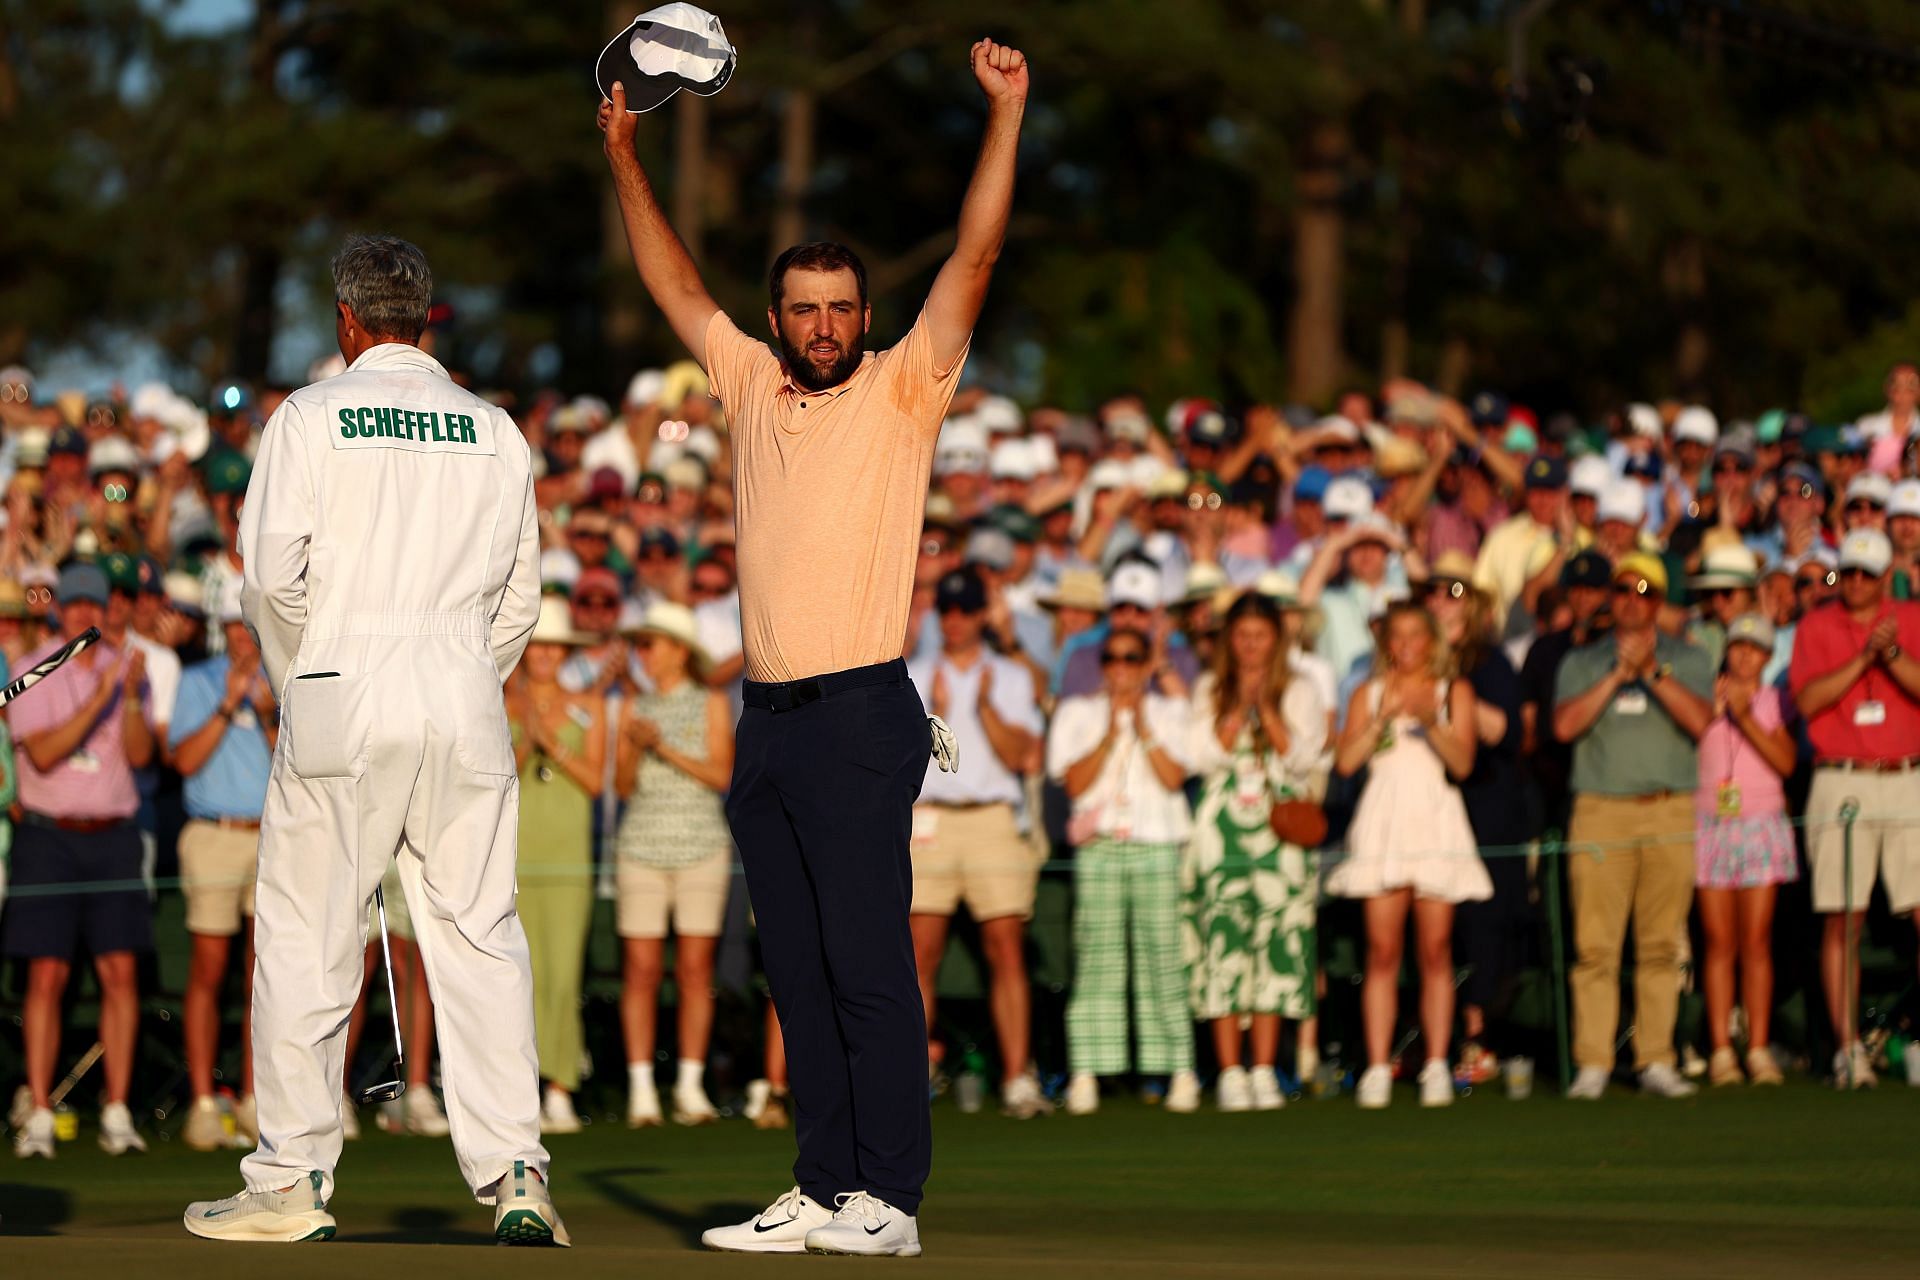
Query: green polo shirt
[1634,748]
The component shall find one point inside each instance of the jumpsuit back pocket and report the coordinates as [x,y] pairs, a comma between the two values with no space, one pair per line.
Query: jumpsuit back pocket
[320,721]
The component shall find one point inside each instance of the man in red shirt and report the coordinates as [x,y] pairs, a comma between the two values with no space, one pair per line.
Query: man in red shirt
[1856,678]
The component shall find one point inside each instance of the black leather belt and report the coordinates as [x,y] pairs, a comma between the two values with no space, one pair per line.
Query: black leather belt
[791,695]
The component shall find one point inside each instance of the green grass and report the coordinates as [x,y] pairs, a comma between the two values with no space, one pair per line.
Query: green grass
[1792,1182]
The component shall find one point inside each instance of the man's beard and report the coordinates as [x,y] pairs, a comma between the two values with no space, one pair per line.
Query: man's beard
[807,375]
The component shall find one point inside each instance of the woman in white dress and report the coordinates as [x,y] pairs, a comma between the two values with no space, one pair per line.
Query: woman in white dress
[1410,848]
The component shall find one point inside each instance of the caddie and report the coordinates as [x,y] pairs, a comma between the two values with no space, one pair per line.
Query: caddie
[391,574]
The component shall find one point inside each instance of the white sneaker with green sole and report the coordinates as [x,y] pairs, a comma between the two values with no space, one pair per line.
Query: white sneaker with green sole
[290,1215]
[523,1211]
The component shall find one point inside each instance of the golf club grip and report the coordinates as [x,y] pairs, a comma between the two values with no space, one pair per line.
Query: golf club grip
[47,666]
[74,1076]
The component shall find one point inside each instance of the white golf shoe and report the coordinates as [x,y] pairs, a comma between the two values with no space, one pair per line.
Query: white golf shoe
[424,1118]
[556,1112]
[1375,1089]
[1588,1085]
[117,1134]
[1022,1100]
[1436,1083]
[1853,1068]
[35,1134]
[246,1123]
[643,1109]
[867,1226]
[291,1214]
[1267,1093]
[349,1120]
[1234,1091]
[523,1211]
[1661,1081]
[1183,1093]
[203,1130]
[1083,1095]
[691,1106]
[781,1228]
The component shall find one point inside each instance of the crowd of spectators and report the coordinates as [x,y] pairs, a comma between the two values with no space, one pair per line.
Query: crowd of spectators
[1230,668]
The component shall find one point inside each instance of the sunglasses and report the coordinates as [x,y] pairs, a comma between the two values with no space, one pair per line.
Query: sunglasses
[707,589]
[1447,587]
[1855,571]
[1861,504]
[1638,587]
[597,602]
[1729,468]
[1714,593]
[594,534]
[1131,658]
[1817,580]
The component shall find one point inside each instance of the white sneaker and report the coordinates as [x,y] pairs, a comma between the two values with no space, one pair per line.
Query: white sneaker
[782,1228]
[1589,1083]
[868,1226]
[643,1109]
[1233,1091]
[203,1130]
[117,1134]
[291,1214]
[35,1136]
[523,1211]
[758,1091]
[246,1123]
[1853,1068]
[1436,1083]
[349,1120]
[1021,1098]
[1661,1081]
[557,1114]
[691,1106]
[1083,1095]
[1183,1093]
[21,1108]
[424,1118]
[1267,1094]
[1375,1089]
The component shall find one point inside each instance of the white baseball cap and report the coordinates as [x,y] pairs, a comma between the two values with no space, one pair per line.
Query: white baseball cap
[1011,459]
[1129,424]
[676,46]
[1697,424]
[1870,486]
[1866,549]
[1589,476]
[1625,501]
[1347,498]
[1905,499]
[1644,419]
[998,415]
[1136,584]
[1108,473]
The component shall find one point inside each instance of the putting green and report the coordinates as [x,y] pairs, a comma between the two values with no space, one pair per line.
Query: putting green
[1789,1182]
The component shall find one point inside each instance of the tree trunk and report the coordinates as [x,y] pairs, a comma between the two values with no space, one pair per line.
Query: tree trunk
[253,341]
[796,170]
[1313,347]
[690,170]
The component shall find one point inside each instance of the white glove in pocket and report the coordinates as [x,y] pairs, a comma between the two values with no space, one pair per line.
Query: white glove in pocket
[946,748]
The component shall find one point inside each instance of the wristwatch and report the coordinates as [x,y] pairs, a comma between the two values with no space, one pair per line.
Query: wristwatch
[1662,671]
[1893,653]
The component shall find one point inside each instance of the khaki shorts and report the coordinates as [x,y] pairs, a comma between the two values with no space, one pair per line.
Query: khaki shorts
[973,853]
[1886,838]
[694,896]
[217,866]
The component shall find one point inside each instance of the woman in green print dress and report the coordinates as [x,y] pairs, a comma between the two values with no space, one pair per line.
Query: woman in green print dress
[559,746]
[1259,735]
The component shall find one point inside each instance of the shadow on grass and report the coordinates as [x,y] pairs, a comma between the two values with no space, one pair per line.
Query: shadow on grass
[614,1185]
[33,1211]
[420,1224]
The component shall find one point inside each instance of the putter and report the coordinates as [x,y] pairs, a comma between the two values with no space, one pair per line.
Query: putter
[391,1089]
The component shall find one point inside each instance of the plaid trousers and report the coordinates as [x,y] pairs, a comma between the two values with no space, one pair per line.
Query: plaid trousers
[1127,891]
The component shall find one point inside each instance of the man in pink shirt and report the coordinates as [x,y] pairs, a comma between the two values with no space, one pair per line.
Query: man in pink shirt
[81,733]
[1856,678]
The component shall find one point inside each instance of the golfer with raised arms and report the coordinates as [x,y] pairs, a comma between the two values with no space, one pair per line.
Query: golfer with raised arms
[391,547]
[832,446]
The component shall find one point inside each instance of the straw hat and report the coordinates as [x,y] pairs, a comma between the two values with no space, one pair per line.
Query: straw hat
[1078,589]
[555,625]
[676,622]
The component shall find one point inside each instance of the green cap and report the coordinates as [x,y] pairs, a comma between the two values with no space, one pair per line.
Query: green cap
[228,473]
[1015,523]
[123,572]
[1820,439]
[1770,426]
[1676,580]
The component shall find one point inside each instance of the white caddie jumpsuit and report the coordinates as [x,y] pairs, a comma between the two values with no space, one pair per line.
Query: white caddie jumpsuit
[391,554]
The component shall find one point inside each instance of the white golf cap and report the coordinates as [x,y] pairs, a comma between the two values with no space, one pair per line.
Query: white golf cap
[1870,486]
[1696,423]
[1589,476]
[1129,424]
[1644,419]
[1751,628]
[112,453]
[1136,584]
[676,46]
[1143,470]
[645,387]
[1727,567]
[1866,549]
[1905,499]
[1625,501]
[1347,498]
[962,449]
[1108,473]
[999,415]
[1011,459]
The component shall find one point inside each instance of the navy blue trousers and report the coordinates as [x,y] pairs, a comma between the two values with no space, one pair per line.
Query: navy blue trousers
[824,779]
